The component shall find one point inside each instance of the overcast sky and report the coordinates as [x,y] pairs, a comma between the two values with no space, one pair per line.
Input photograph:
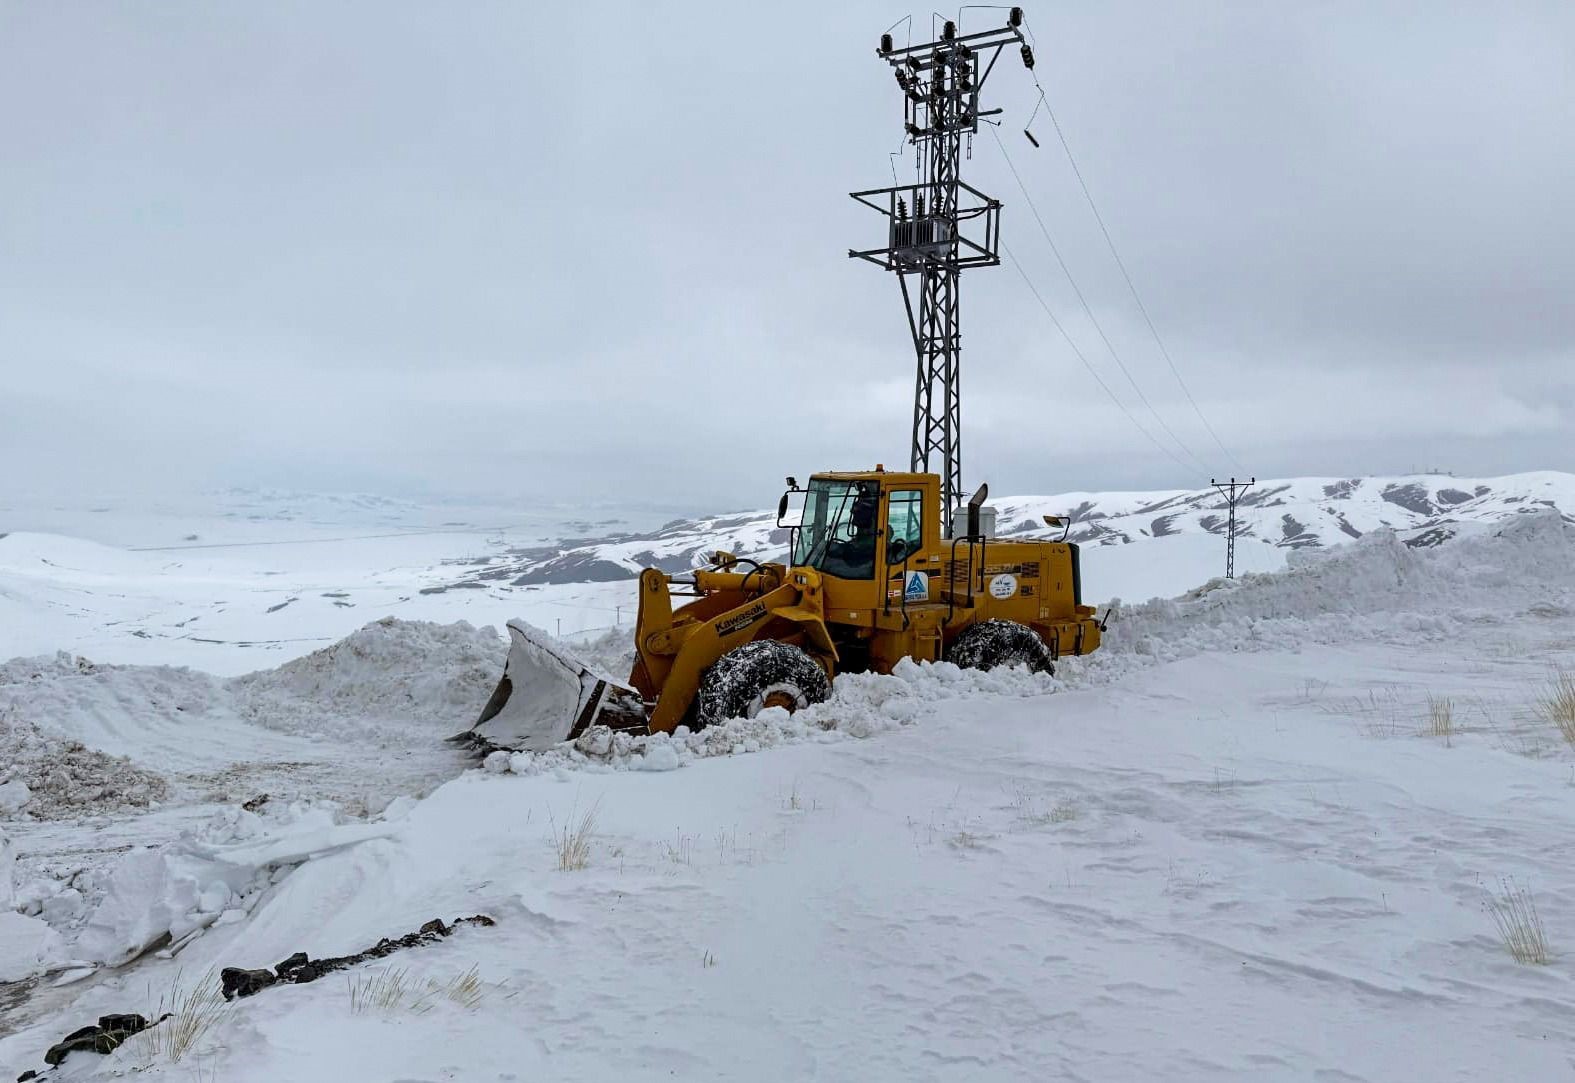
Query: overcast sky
[500,249]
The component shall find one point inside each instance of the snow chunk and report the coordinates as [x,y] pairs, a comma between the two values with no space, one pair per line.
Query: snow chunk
[208,876]
[659,756]
[13,795]
[28,947]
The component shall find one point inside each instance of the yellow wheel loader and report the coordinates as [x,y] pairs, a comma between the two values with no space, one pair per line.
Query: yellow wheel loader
[870,581]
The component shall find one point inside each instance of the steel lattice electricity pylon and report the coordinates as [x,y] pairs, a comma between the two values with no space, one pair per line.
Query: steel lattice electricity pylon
[1231,490]
[939,225]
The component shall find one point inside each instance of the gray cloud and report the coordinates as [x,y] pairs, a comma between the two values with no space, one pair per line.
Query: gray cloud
[600,252]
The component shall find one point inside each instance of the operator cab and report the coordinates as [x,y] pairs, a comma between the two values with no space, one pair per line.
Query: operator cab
[853,524]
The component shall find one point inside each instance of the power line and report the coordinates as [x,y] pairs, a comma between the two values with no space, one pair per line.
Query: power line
[1100,380]
[1088,310]
[1111,244]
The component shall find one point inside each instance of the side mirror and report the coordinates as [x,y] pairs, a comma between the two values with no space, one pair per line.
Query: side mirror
[790,509]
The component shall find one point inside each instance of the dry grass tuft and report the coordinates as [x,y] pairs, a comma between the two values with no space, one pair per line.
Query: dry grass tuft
[390,991]
[1519,925]
[573,840]
[466,990]
[192,1012]
[1557,703]
[1065,812]
[383,990]
[1441,717]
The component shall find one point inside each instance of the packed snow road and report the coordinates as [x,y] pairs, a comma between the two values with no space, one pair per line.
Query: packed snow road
[1260,837]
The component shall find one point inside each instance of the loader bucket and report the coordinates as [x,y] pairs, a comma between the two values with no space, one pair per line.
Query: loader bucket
[547,696]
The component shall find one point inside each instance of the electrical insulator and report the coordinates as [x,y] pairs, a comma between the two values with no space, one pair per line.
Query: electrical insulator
[902,209]
[1028,57]
[949,31]
[902,77]
[1014,18]
[885,44]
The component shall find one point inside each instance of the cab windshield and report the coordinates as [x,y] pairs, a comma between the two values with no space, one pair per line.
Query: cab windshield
[838,531]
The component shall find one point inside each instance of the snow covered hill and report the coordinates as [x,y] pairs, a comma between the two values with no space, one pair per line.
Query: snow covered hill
[253,593]
[1425,509]
[1266,833]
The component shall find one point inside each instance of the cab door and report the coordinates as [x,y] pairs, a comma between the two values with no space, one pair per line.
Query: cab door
[904,555]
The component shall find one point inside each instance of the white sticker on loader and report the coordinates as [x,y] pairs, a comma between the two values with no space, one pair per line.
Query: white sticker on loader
[917,588]
[1003,586]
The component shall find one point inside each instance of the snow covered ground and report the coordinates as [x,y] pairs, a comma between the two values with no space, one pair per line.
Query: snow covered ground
[1234,844]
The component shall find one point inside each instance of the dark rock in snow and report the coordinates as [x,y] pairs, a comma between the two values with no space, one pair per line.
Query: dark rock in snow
[235,982]
[103,1037]
[301,968]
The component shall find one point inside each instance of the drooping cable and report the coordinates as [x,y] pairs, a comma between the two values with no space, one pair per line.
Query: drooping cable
[1092,371]
[1089,312]
[1044,102]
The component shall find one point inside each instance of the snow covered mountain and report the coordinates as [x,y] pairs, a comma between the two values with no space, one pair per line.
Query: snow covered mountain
[1293,513]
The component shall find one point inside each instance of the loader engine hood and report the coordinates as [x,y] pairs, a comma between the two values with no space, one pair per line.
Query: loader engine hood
[547,696]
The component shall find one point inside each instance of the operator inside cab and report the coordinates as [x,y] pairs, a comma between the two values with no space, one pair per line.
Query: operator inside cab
[853,556]
[838,527]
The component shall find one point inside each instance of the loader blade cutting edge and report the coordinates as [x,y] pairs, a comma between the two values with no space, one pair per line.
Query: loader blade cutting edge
[546,695]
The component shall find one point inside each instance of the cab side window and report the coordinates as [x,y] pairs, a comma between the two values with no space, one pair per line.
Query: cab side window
[904,524]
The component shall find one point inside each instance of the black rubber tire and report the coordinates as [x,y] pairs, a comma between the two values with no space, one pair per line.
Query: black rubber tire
[995,643]
[739,684]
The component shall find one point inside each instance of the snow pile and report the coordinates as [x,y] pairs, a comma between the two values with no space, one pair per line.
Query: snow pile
[1376,588]
[214,875]
[48,777]
[400,685]
[435,675]
[861,705]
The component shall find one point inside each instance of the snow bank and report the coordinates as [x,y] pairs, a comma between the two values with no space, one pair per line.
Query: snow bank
[438,675]
[1376,588]
[861,705]
[66,722]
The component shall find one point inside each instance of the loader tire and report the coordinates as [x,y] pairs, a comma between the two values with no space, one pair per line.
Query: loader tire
[748,679]
[997,643]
